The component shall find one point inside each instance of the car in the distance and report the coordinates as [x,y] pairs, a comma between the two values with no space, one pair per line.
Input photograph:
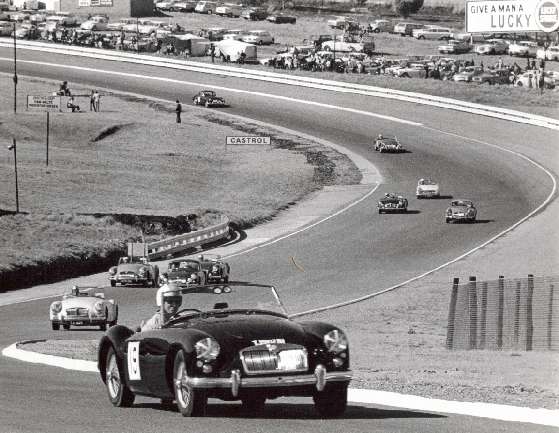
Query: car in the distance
[127,24]
[467,74]
[233,342]
[523,48]
[492,46]
[134,270]
[229,10]
[217,271]
[258,37]
[427,188]
[97,22]
[6,28]
[208,98]
[493,76]
[406,29]
[392,202]
[529,79]
[379,25]
[254,14]
[83,306]
[433,33]
[27,31]
[387,144]
[341,22]
[549,53]
[166,5]
[281,19]
[455,47]
[64,18]
[461,210]
[184,6]
[184,272]
[205,7]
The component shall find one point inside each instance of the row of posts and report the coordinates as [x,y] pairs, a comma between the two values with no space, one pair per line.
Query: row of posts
[473,316]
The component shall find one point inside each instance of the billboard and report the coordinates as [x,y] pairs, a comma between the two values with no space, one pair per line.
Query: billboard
[515,16]
[43,103]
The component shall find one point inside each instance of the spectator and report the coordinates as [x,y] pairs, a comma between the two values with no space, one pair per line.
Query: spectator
[96,101]
[92,101]
[72,105]
[541,81]
[178,111]
[212,52]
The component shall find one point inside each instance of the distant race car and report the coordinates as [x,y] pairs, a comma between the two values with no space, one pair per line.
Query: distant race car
[208,98]
[461,210]
[184,273]
[427,188]
[217,271]
[387,144]
[231,342]
[134,270]
[83,306]
[392,202]
[281,19]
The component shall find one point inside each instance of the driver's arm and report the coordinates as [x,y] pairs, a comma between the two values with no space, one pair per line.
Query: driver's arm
[153,322]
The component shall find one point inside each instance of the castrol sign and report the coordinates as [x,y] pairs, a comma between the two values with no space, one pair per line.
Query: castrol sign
[514,16]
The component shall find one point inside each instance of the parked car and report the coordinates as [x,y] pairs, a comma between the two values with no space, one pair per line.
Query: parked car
[134,270]
[492,46]
[317,40]
[236,35]
[281,19]
[493,76]
[433,33]
[523,48]
[387,144]
[166,5]
[217,271]
[467,74]
[455,47]
[409,70]
[350,43]
[183,273]
[64,18]
[406,29]
[208,98]
[205,7]
[184,6]
[379,25]
[37,17]
[528,79]
[461,210]
[27,31]
[214,33]
[83,306]
[392,202]
[229,10]
[6,28]
[342,23]
[254,14]
[550,53]
[231,342]
[123,24]
[427,188]
[97,22]
[258,37]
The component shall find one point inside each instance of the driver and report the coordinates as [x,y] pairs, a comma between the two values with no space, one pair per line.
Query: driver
[380,137]
[169,298]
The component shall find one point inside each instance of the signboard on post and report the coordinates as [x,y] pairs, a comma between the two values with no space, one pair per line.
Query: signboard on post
[513,16]
[43,103]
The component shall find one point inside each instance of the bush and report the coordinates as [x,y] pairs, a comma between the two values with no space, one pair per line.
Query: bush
[407,7]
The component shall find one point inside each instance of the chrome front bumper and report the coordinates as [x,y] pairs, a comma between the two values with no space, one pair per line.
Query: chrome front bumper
[235,382]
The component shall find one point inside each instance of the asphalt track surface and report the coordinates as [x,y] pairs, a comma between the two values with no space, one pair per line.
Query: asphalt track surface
[356,253]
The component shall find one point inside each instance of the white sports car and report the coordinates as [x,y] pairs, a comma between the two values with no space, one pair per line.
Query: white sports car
[427,188]
[83,306]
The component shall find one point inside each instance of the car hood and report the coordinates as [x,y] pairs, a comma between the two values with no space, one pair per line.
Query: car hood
[391,200]
[184,273]
[130,267]
[455,209]
[428,187]
[79,302]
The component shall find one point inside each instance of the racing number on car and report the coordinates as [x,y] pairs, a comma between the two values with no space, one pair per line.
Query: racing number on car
[134,360]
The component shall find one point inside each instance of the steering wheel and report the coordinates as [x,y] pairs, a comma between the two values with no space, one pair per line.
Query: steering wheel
[184,310]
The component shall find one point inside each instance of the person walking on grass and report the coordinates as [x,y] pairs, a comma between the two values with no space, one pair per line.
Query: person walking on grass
[178,111]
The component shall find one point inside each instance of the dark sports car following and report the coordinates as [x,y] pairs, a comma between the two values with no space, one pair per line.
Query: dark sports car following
[208,98]
[392,203]
[217,271]
[232,342]
[184,272]
[387,144]
[134,270]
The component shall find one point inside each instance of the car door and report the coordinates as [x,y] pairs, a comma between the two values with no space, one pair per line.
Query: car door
[145,364]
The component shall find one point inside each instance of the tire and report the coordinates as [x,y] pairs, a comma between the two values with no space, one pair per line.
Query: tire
[103,327]
[421,37]
[113,283]
[519,84]
[226,279]
[376,31]
[66,326]
[448,220]
[118,392]
[332,401]
[114,322]
[379,211]
[190,402]
[55,326]
[210,12]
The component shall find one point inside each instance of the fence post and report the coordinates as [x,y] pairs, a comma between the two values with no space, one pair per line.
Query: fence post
[529,321]
[500,306]
[472,298]
[550,318]
[516,325]
[452,314]
[483,324]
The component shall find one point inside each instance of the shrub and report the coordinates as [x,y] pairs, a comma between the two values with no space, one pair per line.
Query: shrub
[407,7]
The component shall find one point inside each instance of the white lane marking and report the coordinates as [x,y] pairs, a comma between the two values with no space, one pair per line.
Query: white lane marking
[365,396]
[228,89]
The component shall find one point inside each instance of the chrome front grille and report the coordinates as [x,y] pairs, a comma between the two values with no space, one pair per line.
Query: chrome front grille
[274,359]
[77,312]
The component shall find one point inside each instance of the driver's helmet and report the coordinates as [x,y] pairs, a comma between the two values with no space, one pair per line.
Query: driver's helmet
[200,257]
[75,290]
[125,260]
[167,290]
[380,137]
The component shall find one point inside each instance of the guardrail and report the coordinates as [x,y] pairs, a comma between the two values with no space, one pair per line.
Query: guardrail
[186,241]
[514,314]
[419,98]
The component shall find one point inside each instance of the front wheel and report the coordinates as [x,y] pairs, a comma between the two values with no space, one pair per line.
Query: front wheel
[332,401]
[119,393]
[55,326]
[113,283]
[66,326]
[190,402]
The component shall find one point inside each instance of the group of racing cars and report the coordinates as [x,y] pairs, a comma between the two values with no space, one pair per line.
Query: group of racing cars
[459,210]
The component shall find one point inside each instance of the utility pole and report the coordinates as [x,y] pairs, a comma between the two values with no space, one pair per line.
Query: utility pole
[14,148]
[15,72]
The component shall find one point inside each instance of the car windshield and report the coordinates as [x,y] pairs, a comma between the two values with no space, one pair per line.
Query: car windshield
[208,93]
[132,259]
[461,203]
[84,292]
[390,141]
[219,301]
[427,182]
[184,265]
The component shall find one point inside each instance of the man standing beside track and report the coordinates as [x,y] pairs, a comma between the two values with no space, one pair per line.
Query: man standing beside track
[178,110]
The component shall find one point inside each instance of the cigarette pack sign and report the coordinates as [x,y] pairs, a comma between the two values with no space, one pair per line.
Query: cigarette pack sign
[498,16]
[43,103]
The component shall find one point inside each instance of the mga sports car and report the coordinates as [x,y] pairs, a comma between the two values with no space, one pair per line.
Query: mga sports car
[184,272]
[83,306]
[217,271]
[387,144]
[208,98]
[392,202]
[427,188]
[134,270]
[461,210]
[233,342]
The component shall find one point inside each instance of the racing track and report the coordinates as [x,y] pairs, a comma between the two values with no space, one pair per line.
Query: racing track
[354,254]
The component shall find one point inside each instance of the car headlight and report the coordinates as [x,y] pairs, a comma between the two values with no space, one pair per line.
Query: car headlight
[335,341]
[449,212]
[98,307]
[56,307]
[112,271]
[207,349]
[142,271]
[215,268]
[471,212]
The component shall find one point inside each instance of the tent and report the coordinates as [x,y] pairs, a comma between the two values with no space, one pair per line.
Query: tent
[233,49]
[195,44]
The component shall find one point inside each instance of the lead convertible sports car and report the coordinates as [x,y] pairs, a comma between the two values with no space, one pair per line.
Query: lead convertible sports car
[233,342]
[83,306]
[134,270]
[461,210]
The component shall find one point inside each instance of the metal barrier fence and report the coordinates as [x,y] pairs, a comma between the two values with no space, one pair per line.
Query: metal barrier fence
[514,314]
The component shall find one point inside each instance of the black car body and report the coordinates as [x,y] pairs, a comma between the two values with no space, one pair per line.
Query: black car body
[208,98]
[392,203]
[217,271]
[254,14]
[184,272]
[282,19]
[229,352]
[388,144]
